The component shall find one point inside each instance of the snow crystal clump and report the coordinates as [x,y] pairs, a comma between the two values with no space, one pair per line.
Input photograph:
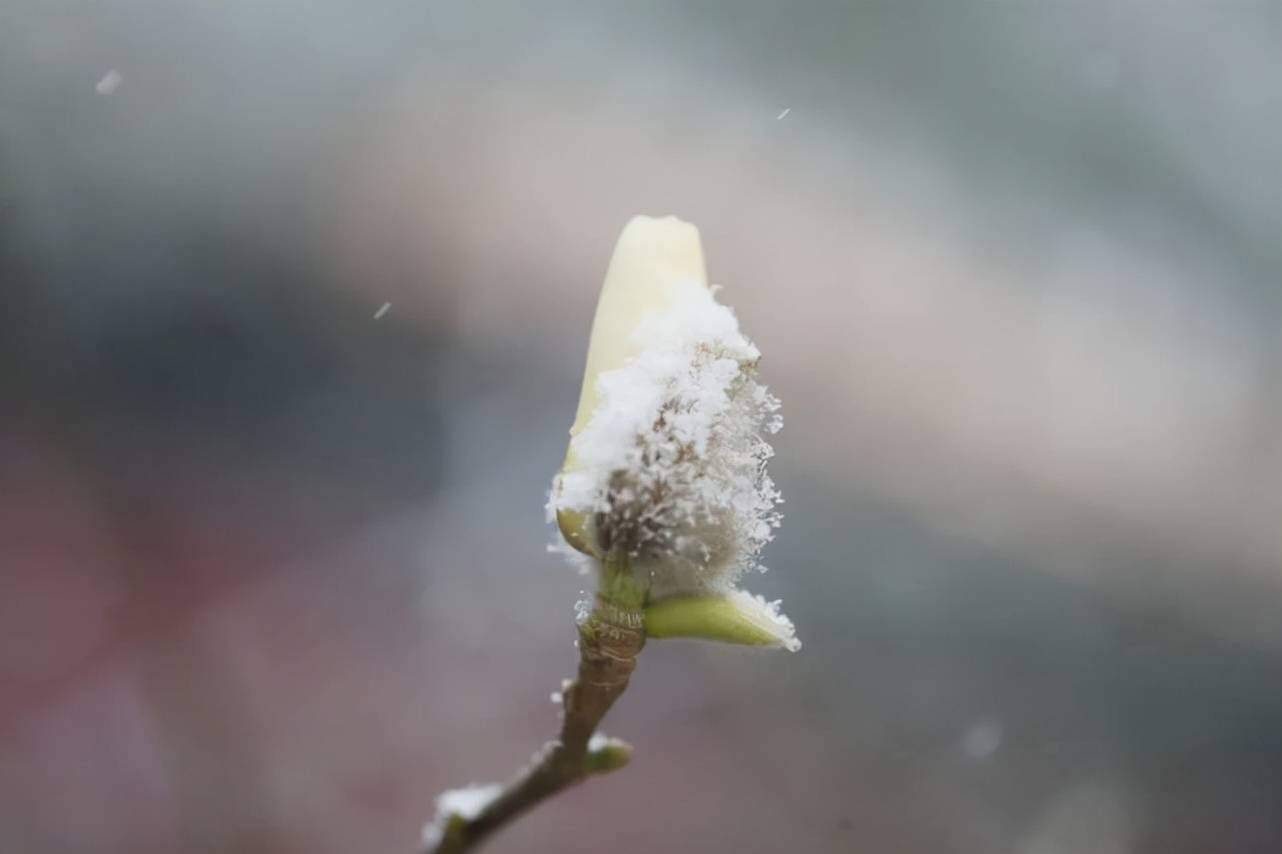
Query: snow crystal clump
[768,616]
[466,803]
[671,465]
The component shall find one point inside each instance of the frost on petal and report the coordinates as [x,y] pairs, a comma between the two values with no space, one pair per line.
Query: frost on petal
[767,617]
[671,464]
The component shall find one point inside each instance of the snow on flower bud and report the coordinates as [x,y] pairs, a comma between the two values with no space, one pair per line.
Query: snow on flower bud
[666,467]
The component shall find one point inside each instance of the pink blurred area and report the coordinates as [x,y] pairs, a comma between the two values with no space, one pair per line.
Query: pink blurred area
[186,683]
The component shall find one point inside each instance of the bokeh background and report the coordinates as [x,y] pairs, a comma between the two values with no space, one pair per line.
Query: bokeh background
[273,569]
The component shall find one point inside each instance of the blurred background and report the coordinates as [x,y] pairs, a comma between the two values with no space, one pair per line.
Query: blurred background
[294,299]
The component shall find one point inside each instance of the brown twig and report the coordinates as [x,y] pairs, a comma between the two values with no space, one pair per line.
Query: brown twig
[610,637]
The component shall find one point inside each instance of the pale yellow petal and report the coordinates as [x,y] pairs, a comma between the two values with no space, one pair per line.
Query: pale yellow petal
[654,259]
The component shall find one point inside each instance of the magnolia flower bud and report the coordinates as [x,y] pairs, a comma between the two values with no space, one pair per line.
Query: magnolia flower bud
[666,468]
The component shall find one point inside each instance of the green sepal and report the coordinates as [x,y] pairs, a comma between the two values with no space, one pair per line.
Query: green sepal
[619,586]
[737,617]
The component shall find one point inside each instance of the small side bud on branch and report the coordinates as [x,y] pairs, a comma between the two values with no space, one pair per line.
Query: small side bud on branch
[735,618]
[606,754]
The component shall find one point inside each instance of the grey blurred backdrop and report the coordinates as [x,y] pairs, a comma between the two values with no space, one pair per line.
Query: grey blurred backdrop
[273,570]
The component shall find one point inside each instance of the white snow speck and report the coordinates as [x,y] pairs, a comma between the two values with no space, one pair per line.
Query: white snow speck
[383,309]
[467,802]
[982,739]
[784,114]
[109,83]
[600,741]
